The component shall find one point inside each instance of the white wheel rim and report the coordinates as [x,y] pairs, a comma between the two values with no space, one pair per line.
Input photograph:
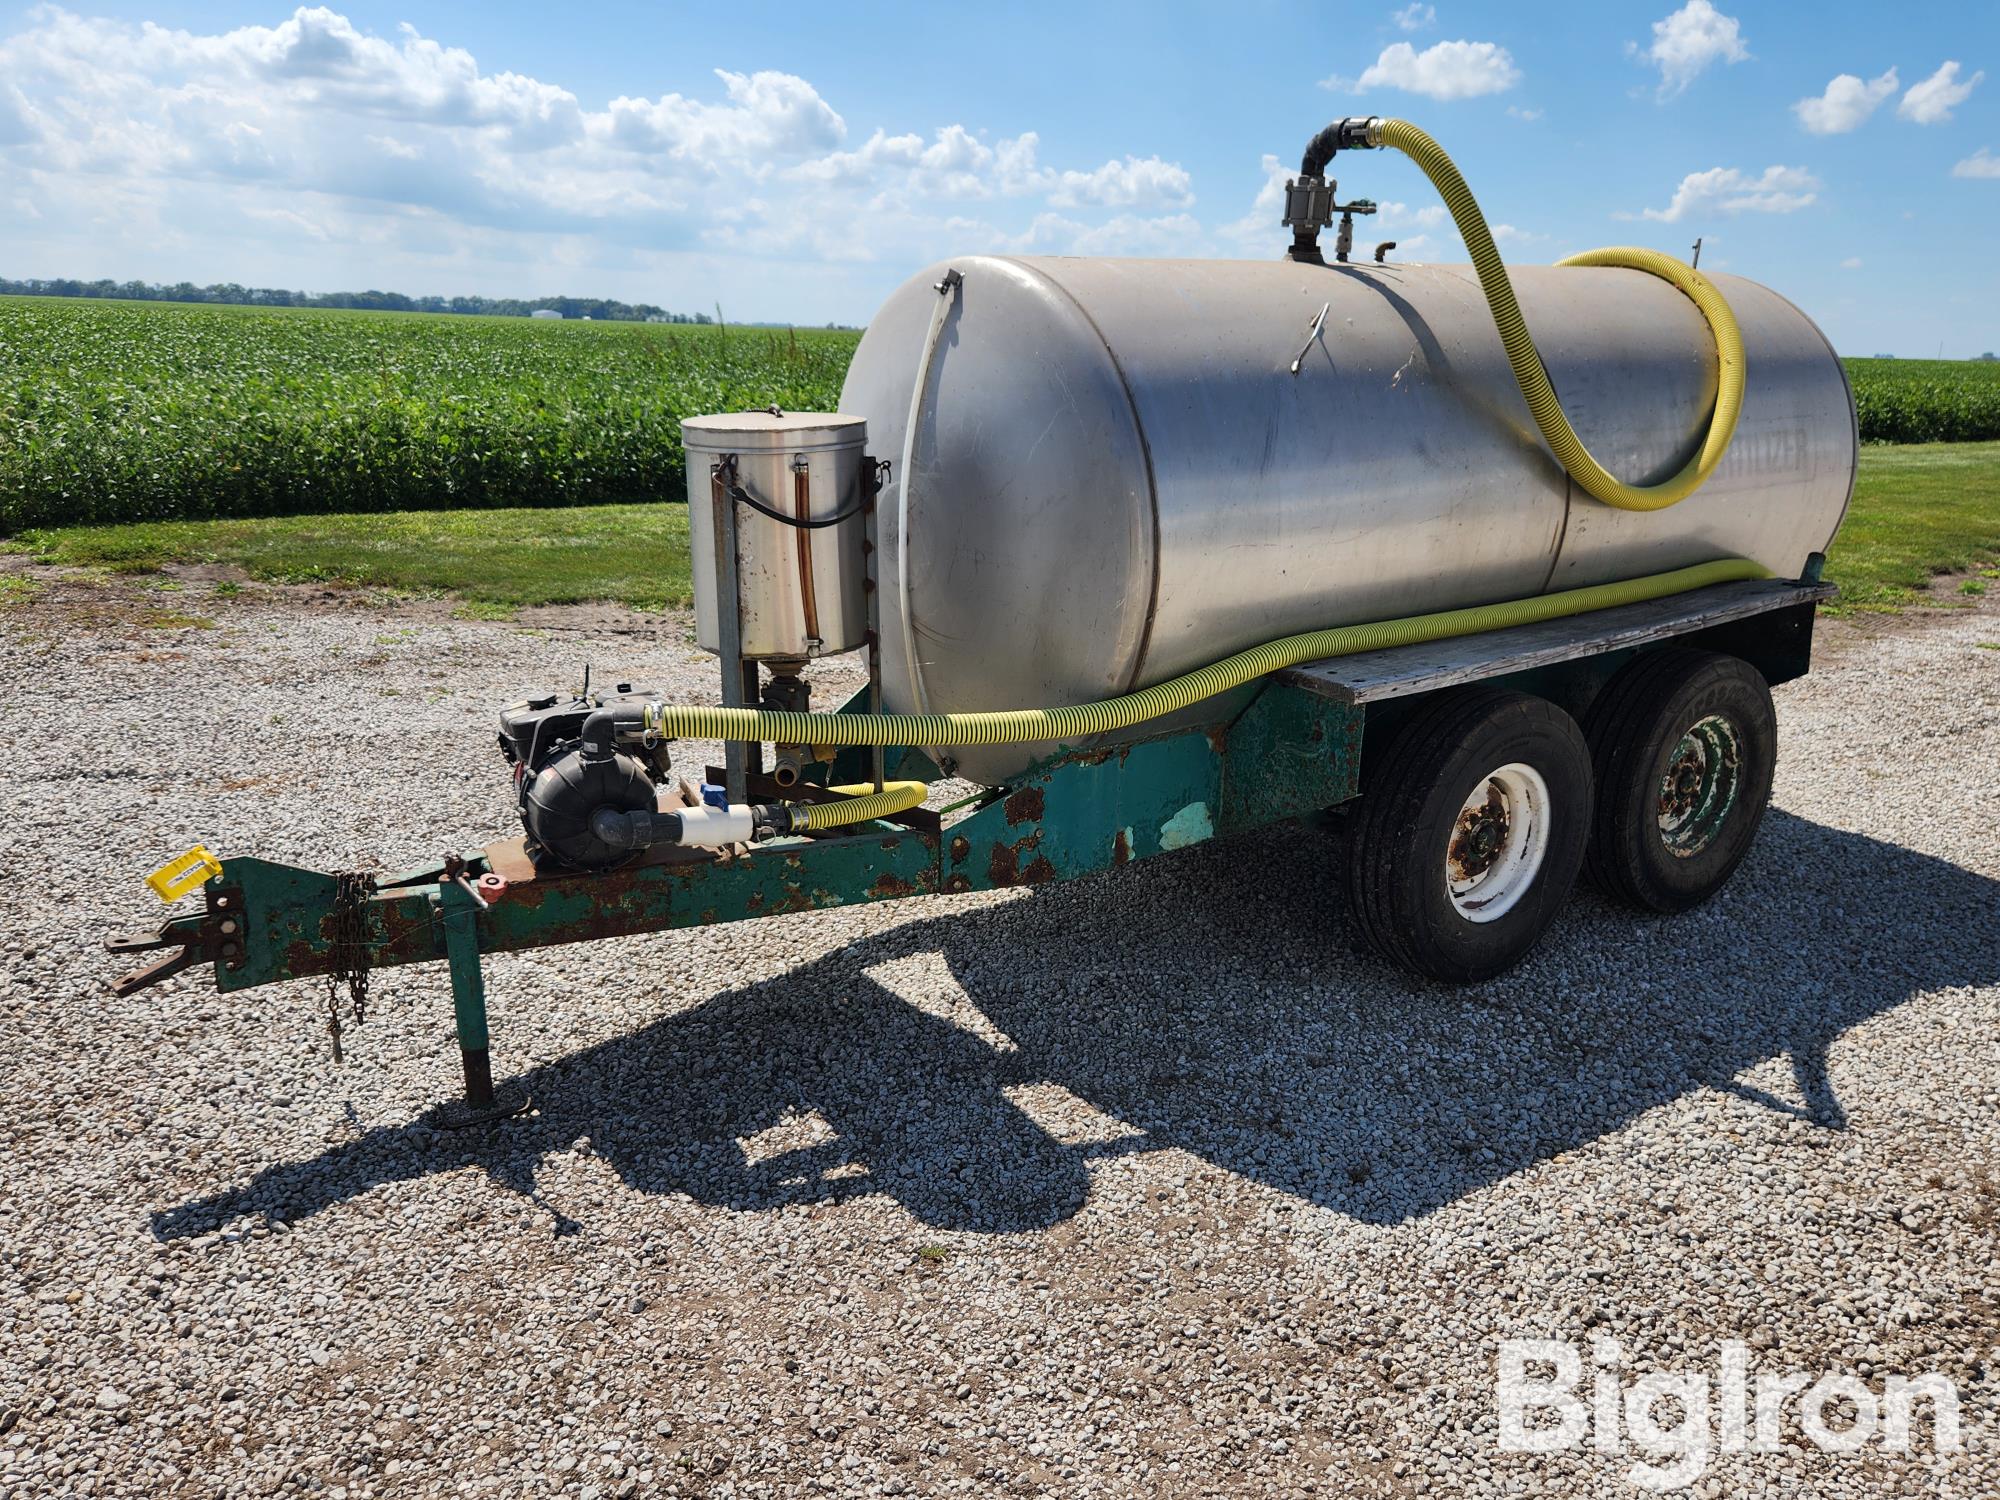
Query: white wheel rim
[1498,843]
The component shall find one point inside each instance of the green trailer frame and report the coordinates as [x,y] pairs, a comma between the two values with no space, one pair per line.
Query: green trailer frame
[1290,746]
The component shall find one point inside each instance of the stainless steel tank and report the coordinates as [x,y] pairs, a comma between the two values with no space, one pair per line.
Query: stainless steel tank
[800,590]
[1114,474]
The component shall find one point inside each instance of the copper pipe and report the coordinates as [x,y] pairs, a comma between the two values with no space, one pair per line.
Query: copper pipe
[802,507]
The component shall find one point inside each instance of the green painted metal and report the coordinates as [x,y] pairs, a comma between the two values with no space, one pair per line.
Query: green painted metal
[458,913]
[276,903]
[1076,814]
[1287,753]
[288,910]
[878,863]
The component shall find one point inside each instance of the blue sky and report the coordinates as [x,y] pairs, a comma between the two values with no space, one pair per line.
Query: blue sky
[796,164]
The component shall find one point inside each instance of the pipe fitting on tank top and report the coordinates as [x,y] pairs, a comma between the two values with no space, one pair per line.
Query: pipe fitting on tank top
[1356,133]
[1309,205]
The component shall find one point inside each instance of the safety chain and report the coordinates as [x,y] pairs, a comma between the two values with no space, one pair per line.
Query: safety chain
[350,951]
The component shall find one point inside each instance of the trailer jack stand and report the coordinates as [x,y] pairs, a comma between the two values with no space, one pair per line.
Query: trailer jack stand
[456,908]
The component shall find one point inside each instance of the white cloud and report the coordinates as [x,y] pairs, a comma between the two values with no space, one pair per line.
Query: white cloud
[1125,234]
[317,152]
[1846,103]
[767,114]
[1982,163]
[1398,215]
[1416,17]
[957,164]
[1258,230]
[1686,42]
[1852,263]
[954,163]
[1515,112]
[1132,181]
[312,228]
[1932,101]
[1448,70]
[16,129]
[1780,190]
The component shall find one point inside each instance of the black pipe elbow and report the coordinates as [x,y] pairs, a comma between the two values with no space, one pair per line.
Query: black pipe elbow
[599,736]
[1351,134]
[625,829]
[1319,151]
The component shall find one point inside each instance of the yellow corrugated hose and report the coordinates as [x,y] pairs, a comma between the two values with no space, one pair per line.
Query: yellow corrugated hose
[1083,720]
[864,802]
[1547,411]
[1086,720]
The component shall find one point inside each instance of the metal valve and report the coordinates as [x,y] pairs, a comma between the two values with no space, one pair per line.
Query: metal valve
[1308,203]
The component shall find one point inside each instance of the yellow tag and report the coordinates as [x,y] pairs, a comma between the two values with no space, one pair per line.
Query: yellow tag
[188,872]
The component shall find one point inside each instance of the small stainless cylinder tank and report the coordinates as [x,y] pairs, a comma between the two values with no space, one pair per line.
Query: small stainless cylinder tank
[800,590]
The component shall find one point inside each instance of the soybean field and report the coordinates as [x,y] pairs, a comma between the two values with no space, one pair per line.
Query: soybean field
[1926,400]
[133,411]
[127,411]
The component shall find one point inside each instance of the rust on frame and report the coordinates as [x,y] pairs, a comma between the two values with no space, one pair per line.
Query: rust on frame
[1004,865]
[1024,806]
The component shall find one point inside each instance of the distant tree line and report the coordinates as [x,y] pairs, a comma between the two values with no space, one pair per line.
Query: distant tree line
[599,308]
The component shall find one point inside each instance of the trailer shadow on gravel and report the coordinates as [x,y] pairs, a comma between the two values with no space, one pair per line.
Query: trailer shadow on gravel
[1208,1002]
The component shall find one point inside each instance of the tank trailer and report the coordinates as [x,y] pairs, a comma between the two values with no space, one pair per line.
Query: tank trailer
[1155,552]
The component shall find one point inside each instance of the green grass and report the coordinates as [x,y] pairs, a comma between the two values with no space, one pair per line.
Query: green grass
[125,411]
[495,561]
[1917,512]
[173,619]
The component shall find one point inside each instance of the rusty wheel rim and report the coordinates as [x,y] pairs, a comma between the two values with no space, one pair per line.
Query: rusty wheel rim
[1498,843]
[1699,788]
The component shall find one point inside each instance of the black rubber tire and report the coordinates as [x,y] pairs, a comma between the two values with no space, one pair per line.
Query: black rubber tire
[1634,728]
[1408,813]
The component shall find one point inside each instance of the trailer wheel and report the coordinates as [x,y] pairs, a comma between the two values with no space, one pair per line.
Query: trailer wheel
[1683,743]
[1469,834]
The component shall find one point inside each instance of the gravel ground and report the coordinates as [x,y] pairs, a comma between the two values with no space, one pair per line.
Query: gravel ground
[1142,1185]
